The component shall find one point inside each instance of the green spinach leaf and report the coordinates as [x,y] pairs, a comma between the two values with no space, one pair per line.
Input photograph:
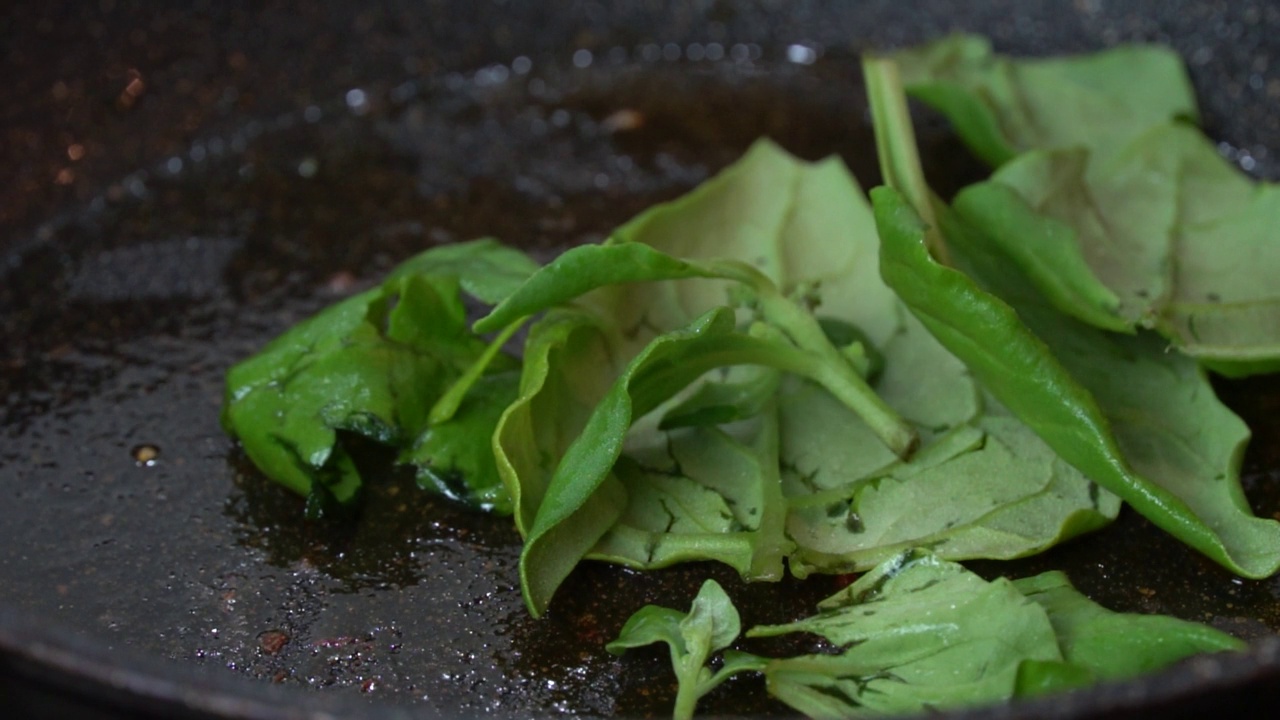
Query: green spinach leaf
[592,267]
[568,367]
[1116,646]
[919,634]
[584,495]
[1003,107]
[991,489]
[1180,240]
[1139,422]
[452,456]
[915,634]
[753,467]
[1121,216]
[711,625]
[373,364]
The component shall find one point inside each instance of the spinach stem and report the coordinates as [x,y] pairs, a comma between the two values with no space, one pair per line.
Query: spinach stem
[447,405]
[687,696]
[838,375]
[896,146]
[830,368]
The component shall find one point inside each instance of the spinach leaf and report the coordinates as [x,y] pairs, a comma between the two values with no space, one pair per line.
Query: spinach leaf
[709,493]
[918,634]
[1136,420]
[1115,646]
[991,489]
[452,457]
[1122,217]
[373,364]
[568,367]
[591,267]
[711,625]
[1002,107]
[1181,240]
[1139,422]
[725,401]
[584,494]
[915,634]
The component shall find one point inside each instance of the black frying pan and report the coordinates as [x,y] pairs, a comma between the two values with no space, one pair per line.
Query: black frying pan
[184,183]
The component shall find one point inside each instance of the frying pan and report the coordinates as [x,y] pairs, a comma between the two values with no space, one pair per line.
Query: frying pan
[185,180]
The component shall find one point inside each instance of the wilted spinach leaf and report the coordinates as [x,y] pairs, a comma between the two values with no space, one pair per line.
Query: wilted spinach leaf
[374,364]
[752,467]
[918,633]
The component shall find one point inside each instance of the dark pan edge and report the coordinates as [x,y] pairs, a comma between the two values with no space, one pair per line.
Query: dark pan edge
[90,677]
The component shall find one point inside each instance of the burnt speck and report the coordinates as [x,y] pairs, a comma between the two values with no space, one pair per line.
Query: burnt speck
[272,642]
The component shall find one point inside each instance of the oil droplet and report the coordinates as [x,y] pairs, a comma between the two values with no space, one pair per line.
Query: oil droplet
[146,455]
[801,54]
[357,101]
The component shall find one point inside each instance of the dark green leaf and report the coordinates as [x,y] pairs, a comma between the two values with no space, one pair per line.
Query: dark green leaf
[373,365]
[454,457]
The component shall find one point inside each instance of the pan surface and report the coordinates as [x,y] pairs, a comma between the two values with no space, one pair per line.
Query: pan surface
[187,183]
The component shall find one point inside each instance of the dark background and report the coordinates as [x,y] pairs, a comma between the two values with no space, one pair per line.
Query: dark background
[207,66]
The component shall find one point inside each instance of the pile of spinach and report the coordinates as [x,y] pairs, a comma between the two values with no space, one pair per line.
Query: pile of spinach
[773,372]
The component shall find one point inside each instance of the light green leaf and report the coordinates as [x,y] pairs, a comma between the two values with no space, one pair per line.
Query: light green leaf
[1007,496]
[721,402]
[920,634]
[568,367]
[915,634]
[1003,107]
[709,493]
[1138,421]
[619,263]
[731,490]
[584,496]
[711,624]
[1116,646]
[1184,242]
